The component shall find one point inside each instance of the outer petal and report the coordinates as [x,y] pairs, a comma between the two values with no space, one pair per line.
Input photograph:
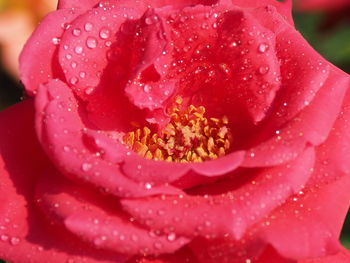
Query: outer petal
[312,125]
[310,222]
[239,209]
[98,220]
[63,126]
[80,4]
[341,257]
[25,236]
[38,60]
[84,46]
[284,8]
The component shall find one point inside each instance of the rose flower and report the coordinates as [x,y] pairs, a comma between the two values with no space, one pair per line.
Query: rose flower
[196,131]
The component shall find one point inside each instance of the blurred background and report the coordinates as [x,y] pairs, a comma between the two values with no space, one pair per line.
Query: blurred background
[324,23]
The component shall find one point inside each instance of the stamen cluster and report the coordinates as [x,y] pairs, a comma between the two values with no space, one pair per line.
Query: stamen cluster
[188,137]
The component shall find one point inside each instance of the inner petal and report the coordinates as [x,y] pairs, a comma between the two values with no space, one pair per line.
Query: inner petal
[189,136]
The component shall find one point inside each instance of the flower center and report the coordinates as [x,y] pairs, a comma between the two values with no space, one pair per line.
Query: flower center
[188,137]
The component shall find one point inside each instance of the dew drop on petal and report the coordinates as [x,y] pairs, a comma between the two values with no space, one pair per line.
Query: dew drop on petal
[86,166]
[263,70]
[171,237]
[76,32]
[14,241]
[263,47]
[4,237]
[82,74]
[104,33]
[78,49]
[56,40]
[73,80]
[88,27]
[158,245]
[91,42]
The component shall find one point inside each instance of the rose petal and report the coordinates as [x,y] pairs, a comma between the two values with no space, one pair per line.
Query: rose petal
[239,209]
[182,255]
[140,169]
[98,221]
[341,257]
[245,250]
[333,155]
[310,222]
[25,235]
[43,44]
[89,36]
[228,51]
[79,4]
[284,7]
[63,141]
[312,125]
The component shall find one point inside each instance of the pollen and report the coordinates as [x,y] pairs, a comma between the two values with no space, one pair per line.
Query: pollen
[188,137]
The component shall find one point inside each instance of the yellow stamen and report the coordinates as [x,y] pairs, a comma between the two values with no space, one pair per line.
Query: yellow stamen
[188,137]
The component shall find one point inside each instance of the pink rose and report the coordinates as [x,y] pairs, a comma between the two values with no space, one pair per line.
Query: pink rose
[195,131]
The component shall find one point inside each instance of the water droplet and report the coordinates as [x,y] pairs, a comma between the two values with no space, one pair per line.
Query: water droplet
[171,237]
[4,238]
[91,42]
[88,27]
[86,166]
[82,74]
[147,88]
[76,32]
[263,47]
[104,33]
[263,70]
[158,245]
[89,90]
[73,64]
[14,241]
[68,56]
[134,237]
[56,40]
[78,49]
[73,80]
[148,186]
[66,148]
[151,20]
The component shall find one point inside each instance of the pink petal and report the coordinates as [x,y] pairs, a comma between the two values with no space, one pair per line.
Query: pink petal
[84,46]
[79,4]
[25,235]
[239,209]
[284,8]
[43,44]
[341,257]
[98,220]
[63,140]
[184,175]
[144,88]
[334,154]
[181,255]
[304,72]
[310,222]
[312,125]
[227,250]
